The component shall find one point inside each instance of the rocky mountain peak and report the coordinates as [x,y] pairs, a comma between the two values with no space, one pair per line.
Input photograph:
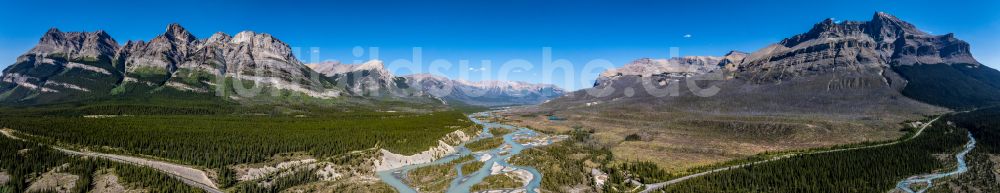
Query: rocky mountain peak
[372,65]
[92,45]
[484,93]
[735,53]
[885,19]
[886,27]
[426,76]
[219,37]
[52,31]
[176,32]
[331,68]
[870,45]
[731,60]
[263,44]
[254,37]
[648,66]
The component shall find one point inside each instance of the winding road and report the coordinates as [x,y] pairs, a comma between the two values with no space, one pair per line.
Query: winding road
[656,186]
[186,174]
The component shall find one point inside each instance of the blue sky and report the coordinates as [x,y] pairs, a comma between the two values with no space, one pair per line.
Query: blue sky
[578,31]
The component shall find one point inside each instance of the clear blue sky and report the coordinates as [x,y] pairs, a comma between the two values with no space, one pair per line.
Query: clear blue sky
[579,31]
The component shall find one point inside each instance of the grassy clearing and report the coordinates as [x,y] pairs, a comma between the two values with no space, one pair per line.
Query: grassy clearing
[862,170]
[679,141]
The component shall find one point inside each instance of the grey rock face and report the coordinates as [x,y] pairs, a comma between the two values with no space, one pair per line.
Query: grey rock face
[836,68]
[264,59]
[732,60]
[61,65]
[179,60]
[153,62]
[74,45]
[93,63]
[853,46]
[367,79]
[672,68]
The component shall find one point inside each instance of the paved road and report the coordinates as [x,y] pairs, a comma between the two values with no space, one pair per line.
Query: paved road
[188,175]
[656,186]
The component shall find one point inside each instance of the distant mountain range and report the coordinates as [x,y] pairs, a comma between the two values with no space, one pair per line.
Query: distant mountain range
[371,78]
[485,93]
[81,66]
[881,65]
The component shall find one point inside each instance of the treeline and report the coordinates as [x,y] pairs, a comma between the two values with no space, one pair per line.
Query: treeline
[862,170]
[279,183]
[567,164]
[25,161]
[218,141]
[20,160]
[984,125]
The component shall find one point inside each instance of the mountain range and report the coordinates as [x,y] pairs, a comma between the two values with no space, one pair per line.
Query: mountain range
[250,66]
[371,78]
[884,64]
[485,93]
[849,82]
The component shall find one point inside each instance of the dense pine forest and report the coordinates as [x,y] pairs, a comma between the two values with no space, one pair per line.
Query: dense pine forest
[565,165]
[984,125]
[216,141]
[24,160]
[863,170]
[981,177]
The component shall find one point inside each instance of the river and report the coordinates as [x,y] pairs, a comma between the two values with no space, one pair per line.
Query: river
[929,178]
[462,183]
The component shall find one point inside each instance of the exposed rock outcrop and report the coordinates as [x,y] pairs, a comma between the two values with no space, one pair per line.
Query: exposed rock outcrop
[389,160]
[860,46]
[366,79]
[60,66]
[833,66]
[672,68]
[67,66]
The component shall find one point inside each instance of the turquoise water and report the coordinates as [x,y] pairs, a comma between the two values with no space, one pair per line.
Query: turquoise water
[929,178]
[464,182]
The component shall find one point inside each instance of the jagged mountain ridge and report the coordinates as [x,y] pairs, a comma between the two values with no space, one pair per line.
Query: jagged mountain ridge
[62,65]
[883,52]
[366,79]
[672,68]
[873,45]
[372,77]
[847,68]
[67,66]
[78,66]
[485,93]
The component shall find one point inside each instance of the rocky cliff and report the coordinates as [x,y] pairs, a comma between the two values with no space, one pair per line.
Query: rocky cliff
[62,65]
[366,79]
[87,65]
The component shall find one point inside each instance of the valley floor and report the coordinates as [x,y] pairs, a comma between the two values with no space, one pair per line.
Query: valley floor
[680,142]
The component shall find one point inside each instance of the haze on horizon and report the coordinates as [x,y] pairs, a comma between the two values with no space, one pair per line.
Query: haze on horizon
[618,32]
